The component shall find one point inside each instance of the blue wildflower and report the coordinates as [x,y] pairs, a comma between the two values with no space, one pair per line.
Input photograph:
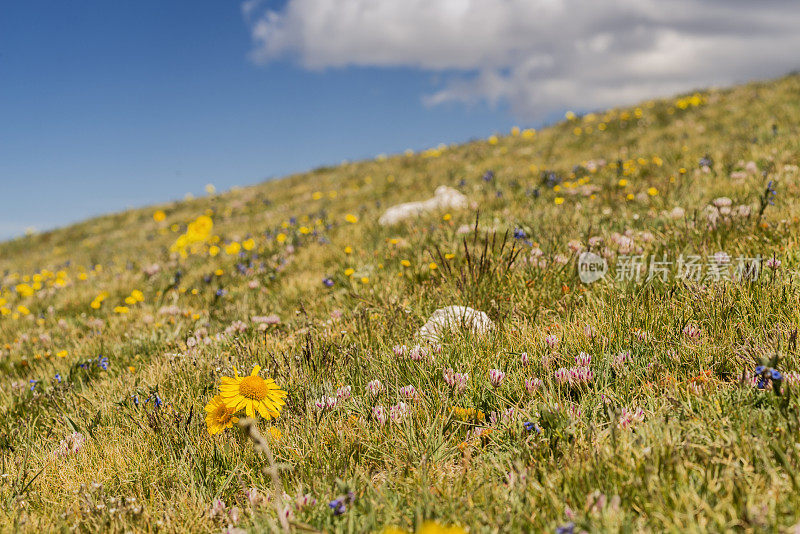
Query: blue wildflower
[327,282]
[221,292]
[488,176]
[519,233]
[33,384]
[102,362]
[531,427]
[58,377]
[158,403]
[569,528]
[338,506]
[776,375]
[760,369]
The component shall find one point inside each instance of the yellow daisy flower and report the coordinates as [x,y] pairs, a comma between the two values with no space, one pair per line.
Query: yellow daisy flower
[218,416]
[252,393]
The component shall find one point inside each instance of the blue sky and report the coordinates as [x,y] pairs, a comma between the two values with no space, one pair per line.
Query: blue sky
[106,105]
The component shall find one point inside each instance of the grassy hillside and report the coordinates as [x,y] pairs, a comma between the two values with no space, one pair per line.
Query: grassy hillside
[627,404]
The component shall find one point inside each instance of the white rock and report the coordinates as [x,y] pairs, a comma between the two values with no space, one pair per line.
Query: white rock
[443,198]
[454,319]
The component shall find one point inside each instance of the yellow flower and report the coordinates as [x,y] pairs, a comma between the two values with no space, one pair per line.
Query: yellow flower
[233,248]
[428,527]
[432,266]
[559,201]
[24,290]
[280,238]
[274,433]
[349,272]
[447,217]
[317,195]
[219,416]
[305,230]
[159,216]
[405,263]
[210,189]
[253,394]
[61,354]
[348,250]
[652,191]
[570,116]
[492,139]
[351,218]
[364,280]
[248,244]
[23,310]
[622,182]
[121,310]
[213,250]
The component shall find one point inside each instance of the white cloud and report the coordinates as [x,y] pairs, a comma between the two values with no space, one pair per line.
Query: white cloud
[540,55]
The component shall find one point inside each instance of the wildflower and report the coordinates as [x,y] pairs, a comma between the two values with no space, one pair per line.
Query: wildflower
[337,506]
[409,392]
[531,427]
[418,353]
[379,414]
[374,388]
[102,362]
[352,219]
[523,358]
[456,381]
[519,233]
[496,377]
[343,393]
[327,282]
[583,359]
[619,360]
[399,350]
[72,444]
[219,416]
[218,508]
[398,412]
[551,341]
[252,393]
[692,331]
[629,418]
[488,176]
[305,501]
[533,384]
[773,263]
[326,403]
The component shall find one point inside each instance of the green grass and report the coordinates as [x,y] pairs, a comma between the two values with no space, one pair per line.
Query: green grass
[712,452]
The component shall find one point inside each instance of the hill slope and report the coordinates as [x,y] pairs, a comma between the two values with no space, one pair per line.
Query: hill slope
[628,403]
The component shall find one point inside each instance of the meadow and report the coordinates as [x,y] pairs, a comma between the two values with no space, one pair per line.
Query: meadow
[662,397]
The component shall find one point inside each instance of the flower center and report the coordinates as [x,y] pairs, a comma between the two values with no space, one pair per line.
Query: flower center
[253,387]
[223,414]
